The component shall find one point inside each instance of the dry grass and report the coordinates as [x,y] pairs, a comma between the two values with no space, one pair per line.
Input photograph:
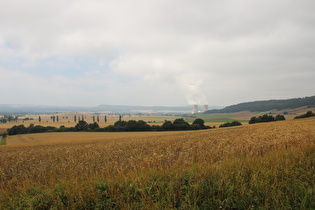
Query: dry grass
[46,159]
[3,130]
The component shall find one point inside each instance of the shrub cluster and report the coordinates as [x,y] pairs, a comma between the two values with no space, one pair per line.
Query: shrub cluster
[308,114]
[80,126]
[266,118]
[181,124]
[119,126]
[229,124]
[21,129]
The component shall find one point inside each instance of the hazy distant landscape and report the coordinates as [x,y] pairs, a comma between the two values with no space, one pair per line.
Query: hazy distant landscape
[256,106]
[41,109]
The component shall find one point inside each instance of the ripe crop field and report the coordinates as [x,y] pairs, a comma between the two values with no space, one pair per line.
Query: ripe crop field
[79,137]
[266,165]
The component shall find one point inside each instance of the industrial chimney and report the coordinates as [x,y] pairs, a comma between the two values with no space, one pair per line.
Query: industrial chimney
[205,107]
[195,109]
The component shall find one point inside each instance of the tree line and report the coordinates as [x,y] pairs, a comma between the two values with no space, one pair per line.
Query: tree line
[266,118]
[8,118]
[230,124]
[263,106]
[119,126]
[306,115]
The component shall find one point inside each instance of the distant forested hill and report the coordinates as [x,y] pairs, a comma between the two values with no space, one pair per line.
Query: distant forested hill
[261,106]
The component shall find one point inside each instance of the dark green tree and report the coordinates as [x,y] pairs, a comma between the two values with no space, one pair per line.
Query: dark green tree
[131,125]
[30,128]
[81,126]
[309,114]
[181,124]
[93,126]
[3,120]
[143,126]
[252,120]
[75,118]
[279,117]
[229,124]
[121,123]
[168,125]
[39,119]
[17,129]
[10,118]
[39,129]
[199,122]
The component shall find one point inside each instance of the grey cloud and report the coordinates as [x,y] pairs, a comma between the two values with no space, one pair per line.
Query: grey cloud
[224,49]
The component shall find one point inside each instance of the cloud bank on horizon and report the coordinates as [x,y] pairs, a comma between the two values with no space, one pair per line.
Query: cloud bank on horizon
[155,52]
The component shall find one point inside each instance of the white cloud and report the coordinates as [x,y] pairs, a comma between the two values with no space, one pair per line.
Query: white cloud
[158,52]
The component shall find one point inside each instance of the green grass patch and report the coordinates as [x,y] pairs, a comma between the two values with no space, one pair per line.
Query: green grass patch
[214,116]
[2,139]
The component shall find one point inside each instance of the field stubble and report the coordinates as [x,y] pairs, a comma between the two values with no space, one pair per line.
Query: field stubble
[144,167]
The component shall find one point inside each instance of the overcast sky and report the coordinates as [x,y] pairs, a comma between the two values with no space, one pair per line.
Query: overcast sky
[155,52]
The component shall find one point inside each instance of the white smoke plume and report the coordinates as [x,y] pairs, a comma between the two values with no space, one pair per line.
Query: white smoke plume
[195,96]
[192,84]
[193,89]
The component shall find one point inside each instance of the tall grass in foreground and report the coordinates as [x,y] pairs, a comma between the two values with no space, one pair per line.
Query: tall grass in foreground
[3,139]
[266,166]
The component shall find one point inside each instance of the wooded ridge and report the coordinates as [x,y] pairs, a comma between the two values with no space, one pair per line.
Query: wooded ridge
[262,106]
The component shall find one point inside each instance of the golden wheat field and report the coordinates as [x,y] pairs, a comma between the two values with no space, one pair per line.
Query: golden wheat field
[47,159]
[43,157]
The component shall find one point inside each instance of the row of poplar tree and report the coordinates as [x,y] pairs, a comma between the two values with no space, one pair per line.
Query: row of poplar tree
[77,118]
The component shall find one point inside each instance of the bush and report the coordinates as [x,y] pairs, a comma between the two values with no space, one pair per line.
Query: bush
[265,118]
[168,126]
[51,129]
[195,127]
[39,129]
[17,129]
[181,124]
[230,124]
[110,128]
[119,126]
[92,126]
[81,126]
[308,114]
[143,126]
[156,128]
[279,117]
[199,122]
